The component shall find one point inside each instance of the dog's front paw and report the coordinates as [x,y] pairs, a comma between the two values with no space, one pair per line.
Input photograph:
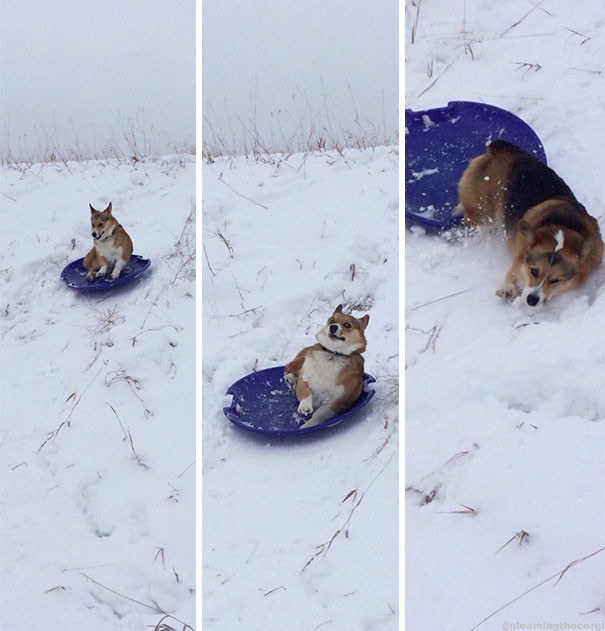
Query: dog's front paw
[458,210]
[115,274]
[290,379]
[101,272]
[305,407]
[508,292]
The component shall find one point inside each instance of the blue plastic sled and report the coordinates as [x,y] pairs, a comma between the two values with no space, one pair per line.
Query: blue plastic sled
[440,143]
[264,403]
[74,275]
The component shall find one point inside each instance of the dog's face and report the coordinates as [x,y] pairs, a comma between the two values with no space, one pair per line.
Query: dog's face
[343,334]
[102,222]
[551,263]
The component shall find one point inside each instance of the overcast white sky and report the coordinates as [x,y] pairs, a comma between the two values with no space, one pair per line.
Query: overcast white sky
[71,70]
[266,60]
[76,67]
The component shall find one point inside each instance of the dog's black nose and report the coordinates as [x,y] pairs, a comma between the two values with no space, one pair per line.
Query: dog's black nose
[333,328]
[533,300]
[94,234]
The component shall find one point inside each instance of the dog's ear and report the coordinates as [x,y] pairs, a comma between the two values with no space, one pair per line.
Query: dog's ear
[364,322]
[93,211]
[108,209]
[338,309]
[526,231]
[591,247]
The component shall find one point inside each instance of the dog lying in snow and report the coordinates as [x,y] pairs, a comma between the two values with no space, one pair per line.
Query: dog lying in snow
[328,377]
[554,242]
[112,246]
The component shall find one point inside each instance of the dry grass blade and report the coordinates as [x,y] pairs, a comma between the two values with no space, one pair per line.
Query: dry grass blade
[595,610]
[430,302]
[352,493]
[275,590]
[557,575]
[154,608]
[67,422]
[128,439]
[468,510]
[208,260]
[442,73]
[323,549]
[160,553]
[162,626]
[220,178]
[455,457]
[415,23]
[176,327]
[132,382]
[181,258]
[520,20]
[56,588]
[521,536]
[226,241]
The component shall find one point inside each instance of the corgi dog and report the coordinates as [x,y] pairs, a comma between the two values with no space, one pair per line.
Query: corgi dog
[112,246]
[555,244]
[328,377]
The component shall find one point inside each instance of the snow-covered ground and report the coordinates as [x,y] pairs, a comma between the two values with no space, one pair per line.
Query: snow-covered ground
[97,423]
[505,407]
[299,534]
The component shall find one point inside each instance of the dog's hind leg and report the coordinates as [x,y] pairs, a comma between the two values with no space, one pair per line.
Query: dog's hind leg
[305,397]
[321,414]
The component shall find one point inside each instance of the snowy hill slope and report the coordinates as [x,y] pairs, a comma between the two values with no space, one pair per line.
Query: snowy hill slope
[505,406]
[299,533]
[97,493]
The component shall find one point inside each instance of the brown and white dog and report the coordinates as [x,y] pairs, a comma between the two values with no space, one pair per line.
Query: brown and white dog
[112,245]
[328,377]
[554,242]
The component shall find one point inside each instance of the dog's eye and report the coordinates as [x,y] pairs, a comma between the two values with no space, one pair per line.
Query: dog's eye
[535,272]
[331,321]
[554,281]
[347,325]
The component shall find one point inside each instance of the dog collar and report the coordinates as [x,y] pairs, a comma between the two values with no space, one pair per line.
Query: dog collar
[105,236]
[333,353]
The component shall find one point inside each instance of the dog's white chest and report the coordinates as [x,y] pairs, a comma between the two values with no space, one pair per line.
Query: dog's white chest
[107,250]
[321,371]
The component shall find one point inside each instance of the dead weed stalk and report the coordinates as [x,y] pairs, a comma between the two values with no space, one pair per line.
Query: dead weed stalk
[128,438]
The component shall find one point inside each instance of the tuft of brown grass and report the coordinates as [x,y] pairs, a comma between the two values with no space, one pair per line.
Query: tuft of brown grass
[181,259]
[121,376]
